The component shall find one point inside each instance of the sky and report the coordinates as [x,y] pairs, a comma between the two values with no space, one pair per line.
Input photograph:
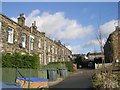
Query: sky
[76,24]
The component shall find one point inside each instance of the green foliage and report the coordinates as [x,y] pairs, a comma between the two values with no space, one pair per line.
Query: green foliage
[96,82]
[79,60]
[20,61]
[69,65]
[55,65]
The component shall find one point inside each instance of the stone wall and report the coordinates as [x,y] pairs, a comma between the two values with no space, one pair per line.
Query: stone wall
[112,46]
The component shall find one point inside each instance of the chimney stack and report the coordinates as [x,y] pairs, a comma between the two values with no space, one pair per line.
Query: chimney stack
[34,26]
[21,20]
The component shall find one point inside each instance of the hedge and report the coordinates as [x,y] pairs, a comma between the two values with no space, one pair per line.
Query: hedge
[68,65]
[20,61]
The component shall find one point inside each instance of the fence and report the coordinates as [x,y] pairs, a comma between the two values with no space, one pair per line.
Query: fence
[10,74]
[0,74]
[100,65]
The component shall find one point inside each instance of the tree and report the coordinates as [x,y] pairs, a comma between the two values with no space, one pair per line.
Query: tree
[100,40]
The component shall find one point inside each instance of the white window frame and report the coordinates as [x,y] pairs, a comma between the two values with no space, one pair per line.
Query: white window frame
[53,50]
[49,48]
[63,51]
[0,26]
[31,42]
[24,42]
[39,43]
[10,35]
[53,59]
[49,59]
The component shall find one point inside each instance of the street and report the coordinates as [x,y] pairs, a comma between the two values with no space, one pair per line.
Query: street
[80,80]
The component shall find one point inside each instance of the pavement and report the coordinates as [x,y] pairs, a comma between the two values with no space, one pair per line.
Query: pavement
[79,79]
[53,83]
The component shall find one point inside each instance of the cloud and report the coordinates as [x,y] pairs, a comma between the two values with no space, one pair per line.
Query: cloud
[32,17]
[108,28]
[14,19]
[57,26]
[105,30]
[91,43]
[76,49]
[74,31]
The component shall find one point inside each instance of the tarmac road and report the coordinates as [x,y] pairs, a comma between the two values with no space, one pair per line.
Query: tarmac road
[80,80]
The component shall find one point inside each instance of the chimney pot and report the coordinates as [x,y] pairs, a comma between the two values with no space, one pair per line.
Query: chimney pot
[22,15]
[34,23]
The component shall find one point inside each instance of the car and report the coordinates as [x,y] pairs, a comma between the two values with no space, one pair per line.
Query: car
[80,66]
[90,64]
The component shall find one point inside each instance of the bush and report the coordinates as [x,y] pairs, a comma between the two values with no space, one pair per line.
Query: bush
[69,65]
[55,65]
[20,61]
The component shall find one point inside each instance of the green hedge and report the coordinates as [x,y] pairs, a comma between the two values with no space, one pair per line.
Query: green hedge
[20,61]
[54,65]
[70,66]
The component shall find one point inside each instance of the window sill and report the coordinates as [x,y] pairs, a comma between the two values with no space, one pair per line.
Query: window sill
[10,43]
[24,47]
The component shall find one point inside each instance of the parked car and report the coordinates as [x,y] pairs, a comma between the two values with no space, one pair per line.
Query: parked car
[80,66]
[90,64]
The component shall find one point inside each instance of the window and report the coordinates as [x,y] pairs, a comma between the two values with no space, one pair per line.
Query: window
[39,43]
[53,59]
[63,51]
[53,50]
[56,51]
[0,26]
[48,59]
[23,41]
[48,48]
[31,42]
[10,35]
[44,43]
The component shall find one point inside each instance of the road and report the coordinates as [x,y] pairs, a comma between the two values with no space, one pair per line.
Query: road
[80,80]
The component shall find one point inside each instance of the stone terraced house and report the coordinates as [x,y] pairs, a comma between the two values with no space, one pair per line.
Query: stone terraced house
[16,37]
[112,46]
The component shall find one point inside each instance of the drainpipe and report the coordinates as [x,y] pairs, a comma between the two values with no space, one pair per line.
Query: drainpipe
[29,44]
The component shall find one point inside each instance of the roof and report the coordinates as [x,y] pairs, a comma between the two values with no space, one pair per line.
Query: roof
[97,53]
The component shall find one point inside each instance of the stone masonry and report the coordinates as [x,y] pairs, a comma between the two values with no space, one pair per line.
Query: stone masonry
[112,46]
